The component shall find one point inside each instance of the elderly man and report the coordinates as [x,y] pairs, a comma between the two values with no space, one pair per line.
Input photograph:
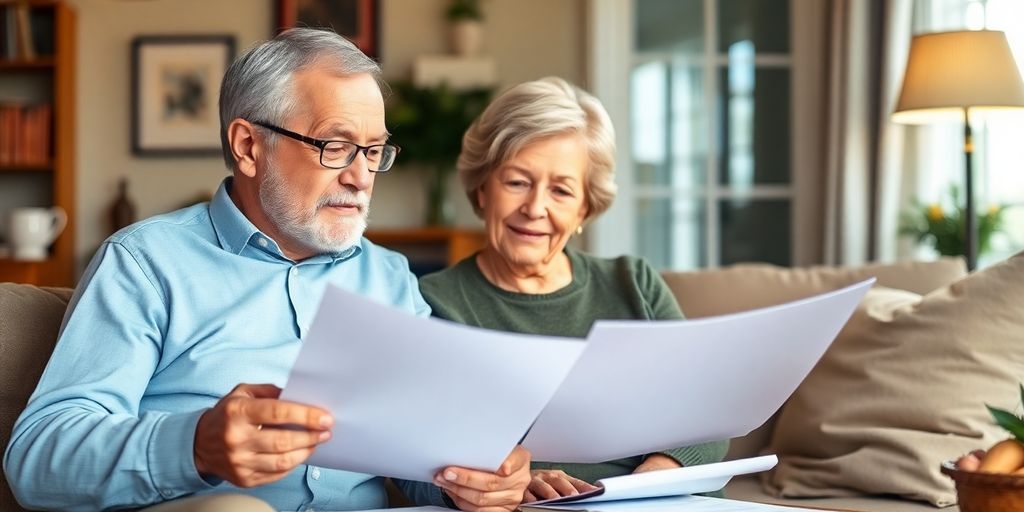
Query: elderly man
[141,402]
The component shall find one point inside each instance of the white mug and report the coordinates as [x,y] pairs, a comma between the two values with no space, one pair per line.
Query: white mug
[32,230]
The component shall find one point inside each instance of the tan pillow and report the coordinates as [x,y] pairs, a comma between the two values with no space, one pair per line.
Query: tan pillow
[903,388]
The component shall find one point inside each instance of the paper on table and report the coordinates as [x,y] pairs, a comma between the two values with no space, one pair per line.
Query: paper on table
[685,382]
[669,482]
[412,395]
[672,504]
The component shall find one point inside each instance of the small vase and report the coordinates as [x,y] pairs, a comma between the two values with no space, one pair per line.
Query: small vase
[467,37]
[440,211]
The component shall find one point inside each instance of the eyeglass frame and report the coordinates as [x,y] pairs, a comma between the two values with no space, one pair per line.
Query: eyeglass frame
[321,144]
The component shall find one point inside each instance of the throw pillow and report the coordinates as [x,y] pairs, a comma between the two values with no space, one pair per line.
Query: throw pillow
[903,388]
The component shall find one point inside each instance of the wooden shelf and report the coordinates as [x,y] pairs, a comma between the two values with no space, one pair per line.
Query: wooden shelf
[58,72]
[40,64]
[430,248]
[36,167]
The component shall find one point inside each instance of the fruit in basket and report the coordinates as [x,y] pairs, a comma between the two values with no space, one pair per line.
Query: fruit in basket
[1006,456]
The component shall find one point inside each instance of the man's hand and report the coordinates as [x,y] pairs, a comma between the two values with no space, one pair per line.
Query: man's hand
[237,440]
[554,483]
[657,461]
[480,491]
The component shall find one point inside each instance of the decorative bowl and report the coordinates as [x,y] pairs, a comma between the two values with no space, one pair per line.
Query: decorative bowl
[985,492]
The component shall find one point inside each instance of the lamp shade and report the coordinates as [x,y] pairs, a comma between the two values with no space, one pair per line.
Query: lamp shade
[948,72]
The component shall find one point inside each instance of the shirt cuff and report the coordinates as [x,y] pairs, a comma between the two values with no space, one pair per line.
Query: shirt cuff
[171,455]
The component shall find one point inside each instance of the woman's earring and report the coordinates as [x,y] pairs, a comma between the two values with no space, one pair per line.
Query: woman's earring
[579,229]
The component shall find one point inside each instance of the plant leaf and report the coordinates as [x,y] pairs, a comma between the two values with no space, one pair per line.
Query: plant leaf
[1008,421]
[1022,393]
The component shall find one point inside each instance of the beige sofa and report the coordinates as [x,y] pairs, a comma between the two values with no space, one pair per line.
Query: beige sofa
[30,318]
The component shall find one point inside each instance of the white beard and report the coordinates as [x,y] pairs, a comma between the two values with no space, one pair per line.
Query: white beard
[304,225]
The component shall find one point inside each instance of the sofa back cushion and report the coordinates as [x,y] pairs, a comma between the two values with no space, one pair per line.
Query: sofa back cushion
[903,388]
[749,286]
[30,318]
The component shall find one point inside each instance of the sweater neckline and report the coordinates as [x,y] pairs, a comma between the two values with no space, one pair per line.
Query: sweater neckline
[579,280]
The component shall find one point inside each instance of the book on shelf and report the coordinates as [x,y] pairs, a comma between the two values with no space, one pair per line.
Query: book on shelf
[25,134]
[26,32]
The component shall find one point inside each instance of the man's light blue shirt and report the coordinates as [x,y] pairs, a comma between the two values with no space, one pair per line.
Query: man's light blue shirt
[172,313]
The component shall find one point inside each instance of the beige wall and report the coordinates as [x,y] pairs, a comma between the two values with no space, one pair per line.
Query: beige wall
[526,44]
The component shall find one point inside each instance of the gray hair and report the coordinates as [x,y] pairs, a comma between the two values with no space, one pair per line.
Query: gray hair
[532,111]
[258,84]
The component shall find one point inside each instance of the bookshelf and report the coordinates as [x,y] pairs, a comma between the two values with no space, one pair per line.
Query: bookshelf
[430,249]
[37,168]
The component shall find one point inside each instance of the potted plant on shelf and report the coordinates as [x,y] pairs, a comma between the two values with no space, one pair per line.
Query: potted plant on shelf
[428,123]
[465,27]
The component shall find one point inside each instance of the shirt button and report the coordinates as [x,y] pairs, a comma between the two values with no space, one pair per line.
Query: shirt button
[310,509]
[295,271]
[315,474]
[262,241]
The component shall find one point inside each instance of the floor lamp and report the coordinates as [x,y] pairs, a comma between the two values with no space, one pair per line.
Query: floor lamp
[949,77]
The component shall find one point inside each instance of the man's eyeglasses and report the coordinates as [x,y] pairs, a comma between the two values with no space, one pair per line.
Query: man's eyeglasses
[339,154]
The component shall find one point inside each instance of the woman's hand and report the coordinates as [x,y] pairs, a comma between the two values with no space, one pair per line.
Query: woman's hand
[553,483]
[481,491]
[656,462]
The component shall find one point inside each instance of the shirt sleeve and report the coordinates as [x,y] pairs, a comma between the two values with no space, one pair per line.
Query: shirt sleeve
[424,494]
[658,296]
[81,443]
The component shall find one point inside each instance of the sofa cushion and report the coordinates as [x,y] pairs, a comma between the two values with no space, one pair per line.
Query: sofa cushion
[750,286]
[903,388]
[30,318]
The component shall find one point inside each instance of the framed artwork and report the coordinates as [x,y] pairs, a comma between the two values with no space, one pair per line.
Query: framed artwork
[357,20]
[175,86]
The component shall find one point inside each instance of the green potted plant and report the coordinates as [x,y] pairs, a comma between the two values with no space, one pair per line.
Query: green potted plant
[465,21]
[943,226]
[428,123]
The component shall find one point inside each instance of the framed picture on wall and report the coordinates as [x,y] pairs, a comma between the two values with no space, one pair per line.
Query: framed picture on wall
[357,20]
[175,85]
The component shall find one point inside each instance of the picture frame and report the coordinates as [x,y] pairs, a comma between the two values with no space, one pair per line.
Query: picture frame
[356,20]
[175,88]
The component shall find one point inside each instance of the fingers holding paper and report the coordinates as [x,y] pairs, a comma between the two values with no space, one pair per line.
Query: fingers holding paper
[238,439]
[554,483]
[482,491]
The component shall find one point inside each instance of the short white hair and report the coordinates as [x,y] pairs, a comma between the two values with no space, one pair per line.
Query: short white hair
[529,112]
[258,84]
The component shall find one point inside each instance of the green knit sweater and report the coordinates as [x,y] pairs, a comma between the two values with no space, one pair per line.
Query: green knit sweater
[620,288]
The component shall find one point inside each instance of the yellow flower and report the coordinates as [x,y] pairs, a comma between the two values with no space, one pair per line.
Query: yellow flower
[994,209]
[935,212]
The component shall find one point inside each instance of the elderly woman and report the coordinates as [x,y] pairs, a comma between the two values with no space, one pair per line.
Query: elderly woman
[536,166]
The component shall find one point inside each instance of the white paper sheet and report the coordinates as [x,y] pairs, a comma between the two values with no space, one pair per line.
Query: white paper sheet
[644,387]
[673,504]
[412,395]
[669,482]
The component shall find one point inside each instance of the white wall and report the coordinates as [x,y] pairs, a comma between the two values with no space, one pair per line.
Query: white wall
[530,38]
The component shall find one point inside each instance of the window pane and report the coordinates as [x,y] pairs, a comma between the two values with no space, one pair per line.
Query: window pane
[765,23]
[671,232]
[668,122]
[755,230]
[663,25]
[755,125]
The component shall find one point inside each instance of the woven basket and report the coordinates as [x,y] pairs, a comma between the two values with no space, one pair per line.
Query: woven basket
[986,492]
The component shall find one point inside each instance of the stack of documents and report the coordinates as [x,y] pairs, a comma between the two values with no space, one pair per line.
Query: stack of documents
[413,395]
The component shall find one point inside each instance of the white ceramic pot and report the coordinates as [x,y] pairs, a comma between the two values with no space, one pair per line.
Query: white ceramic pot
[467,37]
[32,230]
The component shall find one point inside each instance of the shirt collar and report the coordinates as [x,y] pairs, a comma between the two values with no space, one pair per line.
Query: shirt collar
[235,231]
